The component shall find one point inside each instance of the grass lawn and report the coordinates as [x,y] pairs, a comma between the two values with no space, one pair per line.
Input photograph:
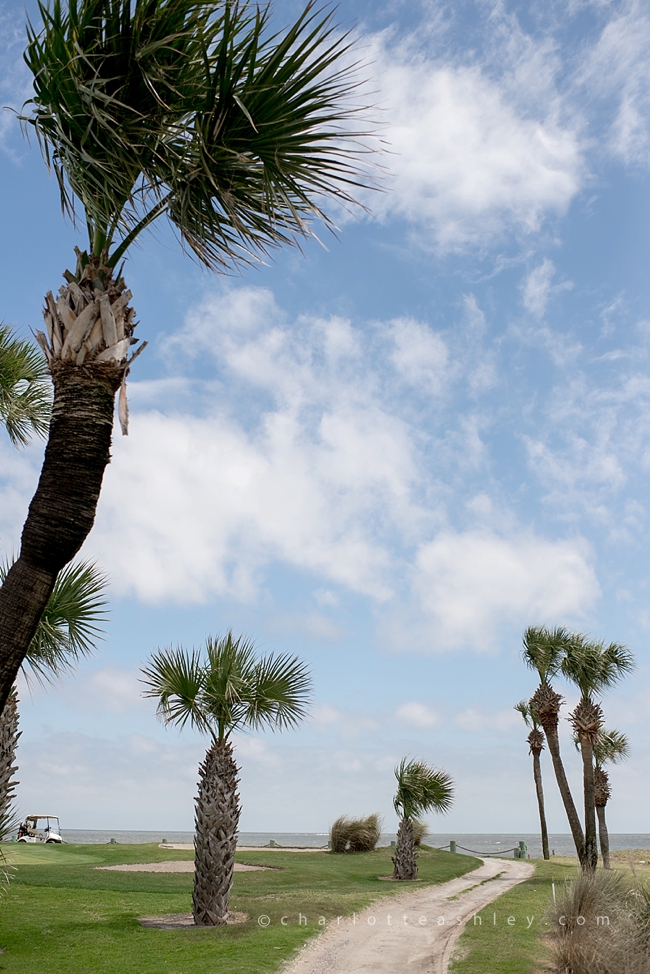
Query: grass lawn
[61,916]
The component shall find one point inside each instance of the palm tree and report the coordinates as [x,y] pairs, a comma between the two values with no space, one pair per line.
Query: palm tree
[536,746]
[612,746]
[228,688]
[25,399]
[544,651]
[420,788]
[593,667]
[68,629]
[191,109]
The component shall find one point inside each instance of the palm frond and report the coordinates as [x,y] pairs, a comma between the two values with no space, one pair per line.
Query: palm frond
[595,667]
[544,649]
[421,788]
[25,388]
[176,679]
[228,688]
[279,692]
[196,111]
[523,707]
[612,747]
[72,623]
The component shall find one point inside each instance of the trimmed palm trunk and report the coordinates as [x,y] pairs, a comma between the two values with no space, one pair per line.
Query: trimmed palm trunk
[602,794]
[536,744]
[405,858]
[587,720]
[9,735]
[215,839]
[546,703]
[89,333]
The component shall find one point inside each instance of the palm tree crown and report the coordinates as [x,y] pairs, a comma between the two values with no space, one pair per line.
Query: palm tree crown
[25,396]
[228,690]
[195,110]
[594,666]
[421,788]
[544,649]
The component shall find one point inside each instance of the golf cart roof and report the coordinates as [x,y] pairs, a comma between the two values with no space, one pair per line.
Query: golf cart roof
[41,816]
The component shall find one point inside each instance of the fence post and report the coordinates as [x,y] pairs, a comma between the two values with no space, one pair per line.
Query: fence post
[452,845]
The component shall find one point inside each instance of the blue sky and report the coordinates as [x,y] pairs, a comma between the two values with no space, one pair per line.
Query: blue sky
[387,455]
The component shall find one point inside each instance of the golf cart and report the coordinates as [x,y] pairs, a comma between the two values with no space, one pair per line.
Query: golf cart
[40,828]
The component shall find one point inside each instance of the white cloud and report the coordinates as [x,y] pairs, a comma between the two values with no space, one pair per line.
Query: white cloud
[616,69]
[476,719]
[418,715]
[420,355]
[471,584]
[469,159]
[538,288]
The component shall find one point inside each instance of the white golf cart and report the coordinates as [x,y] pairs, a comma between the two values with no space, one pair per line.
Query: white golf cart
[40,828]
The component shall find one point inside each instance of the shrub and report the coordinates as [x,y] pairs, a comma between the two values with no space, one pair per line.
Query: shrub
[420,830]
[355,834]
[601,925]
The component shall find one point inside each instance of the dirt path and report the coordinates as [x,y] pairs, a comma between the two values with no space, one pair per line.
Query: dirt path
[412,933]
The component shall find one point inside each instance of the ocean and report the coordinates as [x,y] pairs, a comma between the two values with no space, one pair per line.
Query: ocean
[479,842]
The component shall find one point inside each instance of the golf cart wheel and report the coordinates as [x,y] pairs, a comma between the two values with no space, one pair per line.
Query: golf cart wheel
[50,842]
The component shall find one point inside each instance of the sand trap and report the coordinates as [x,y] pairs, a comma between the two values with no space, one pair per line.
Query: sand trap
[177,866]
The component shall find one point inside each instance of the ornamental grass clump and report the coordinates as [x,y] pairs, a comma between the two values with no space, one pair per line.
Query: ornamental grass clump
[355,834]
[420,832]
[601,925]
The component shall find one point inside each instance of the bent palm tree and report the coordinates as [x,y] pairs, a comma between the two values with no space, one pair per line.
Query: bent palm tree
[611,747]
[543,651]
[68,629]
[420,789]
[25,399]
[593,667]
[227,689]
[189,109]
[535,741]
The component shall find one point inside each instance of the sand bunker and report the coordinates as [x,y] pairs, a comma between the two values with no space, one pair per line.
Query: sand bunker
[177,866]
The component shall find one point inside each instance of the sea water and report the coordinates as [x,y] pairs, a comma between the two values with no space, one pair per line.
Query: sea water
[474,842]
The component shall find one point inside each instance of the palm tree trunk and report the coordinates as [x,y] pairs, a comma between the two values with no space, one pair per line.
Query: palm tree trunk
[9,735]
[90,328]
[591,841]
[215,839]
[537,774]
[604,836]
[553,742]
[405,858]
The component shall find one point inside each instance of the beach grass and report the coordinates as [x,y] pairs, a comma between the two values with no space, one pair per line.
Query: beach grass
[63,916]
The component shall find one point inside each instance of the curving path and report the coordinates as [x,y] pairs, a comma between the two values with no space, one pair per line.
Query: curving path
[405,934]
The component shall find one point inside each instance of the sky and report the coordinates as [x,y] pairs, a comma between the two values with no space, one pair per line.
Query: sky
[387,454]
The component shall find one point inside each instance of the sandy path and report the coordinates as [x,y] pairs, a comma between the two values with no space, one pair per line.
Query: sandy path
[406,933]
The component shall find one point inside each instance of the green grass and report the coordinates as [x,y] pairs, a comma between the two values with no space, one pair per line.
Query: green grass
[61,916]
[515,948]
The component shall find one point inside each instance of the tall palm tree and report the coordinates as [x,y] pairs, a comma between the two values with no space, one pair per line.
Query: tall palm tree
[544,651]
[612,746]
[190,109]
[68,629]
[225,689]
[25,398]
[420,789]
[593,667]
[535,741]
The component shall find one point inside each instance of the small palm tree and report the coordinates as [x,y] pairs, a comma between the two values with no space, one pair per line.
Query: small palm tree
[593,667]
[25,397]
[544,651]
[611,747]
[225,689]
[194,111]
[69,629]
[420,789]
[536,746]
